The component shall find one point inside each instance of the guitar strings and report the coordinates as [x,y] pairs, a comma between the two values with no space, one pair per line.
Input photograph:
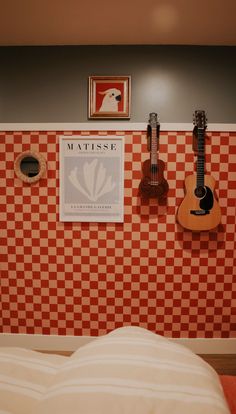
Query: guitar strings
[154,168]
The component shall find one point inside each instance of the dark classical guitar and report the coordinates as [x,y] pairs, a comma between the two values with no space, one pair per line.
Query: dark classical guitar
[153,183]
[199,209]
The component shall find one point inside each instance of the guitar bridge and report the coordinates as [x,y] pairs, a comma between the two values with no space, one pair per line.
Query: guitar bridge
[199,212]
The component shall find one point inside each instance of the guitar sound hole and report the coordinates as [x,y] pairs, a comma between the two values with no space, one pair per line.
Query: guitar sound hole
[154,169]
[200,191]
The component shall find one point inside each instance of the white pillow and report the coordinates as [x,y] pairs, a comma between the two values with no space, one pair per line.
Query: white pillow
[134,371]
[24,377]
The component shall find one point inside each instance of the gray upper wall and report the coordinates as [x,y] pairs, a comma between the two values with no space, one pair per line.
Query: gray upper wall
[50,84]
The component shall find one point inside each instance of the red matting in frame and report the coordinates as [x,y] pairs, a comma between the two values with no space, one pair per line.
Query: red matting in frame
[104,86]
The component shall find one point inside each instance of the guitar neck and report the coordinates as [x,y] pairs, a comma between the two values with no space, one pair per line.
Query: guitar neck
[201,157]
[154,145]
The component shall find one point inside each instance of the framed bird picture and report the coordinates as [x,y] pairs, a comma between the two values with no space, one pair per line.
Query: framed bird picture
[109,97]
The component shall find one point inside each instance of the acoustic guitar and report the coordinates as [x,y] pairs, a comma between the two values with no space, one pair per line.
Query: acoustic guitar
[199,209]
[153,183]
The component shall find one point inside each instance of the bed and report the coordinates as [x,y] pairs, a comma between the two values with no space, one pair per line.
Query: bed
[128,371]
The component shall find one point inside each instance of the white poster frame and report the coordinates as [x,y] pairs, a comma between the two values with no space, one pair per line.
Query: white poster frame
[91,178]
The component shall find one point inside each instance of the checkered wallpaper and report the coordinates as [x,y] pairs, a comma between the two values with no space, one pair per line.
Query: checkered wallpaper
[87,279]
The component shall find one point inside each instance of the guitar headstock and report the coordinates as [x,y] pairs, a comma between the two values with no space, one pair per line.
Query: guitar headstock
[199,119]
[153,120]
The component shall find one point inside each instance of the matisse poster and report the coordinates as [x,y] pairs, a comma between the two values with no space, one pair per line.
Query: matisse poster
[91,178]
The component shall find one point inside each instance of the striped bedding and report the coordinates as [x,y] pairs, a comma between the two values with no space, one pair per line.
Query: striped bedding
[25,376]
[128,371]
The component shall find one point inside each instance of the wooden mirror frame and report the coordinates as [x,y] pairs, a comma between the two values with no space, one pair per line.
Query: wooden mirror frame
[21,175]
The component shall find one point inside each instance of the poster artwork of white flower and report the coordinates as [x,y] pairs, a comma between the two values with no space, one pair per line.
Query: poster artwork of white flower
[97,182]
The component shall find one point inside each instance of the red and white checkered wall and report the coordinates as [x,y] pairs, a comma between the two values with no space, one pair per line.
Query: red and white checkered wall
[87,279]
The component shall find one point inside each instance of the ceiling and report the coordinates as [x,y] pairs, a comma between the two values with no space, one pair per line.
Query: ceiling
[106,22]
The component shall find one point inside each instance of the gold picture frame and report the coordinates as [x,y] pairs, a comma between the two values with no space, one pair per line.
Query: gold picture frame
[109,97]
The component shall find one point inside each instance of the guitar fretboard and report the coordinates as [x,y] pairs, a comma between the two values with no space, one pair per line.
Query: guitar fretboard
[154,154]
[201,157]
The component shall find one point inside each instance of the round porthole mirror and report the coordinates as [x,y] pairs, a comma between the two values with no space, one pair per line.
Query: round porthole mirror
[30,166]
